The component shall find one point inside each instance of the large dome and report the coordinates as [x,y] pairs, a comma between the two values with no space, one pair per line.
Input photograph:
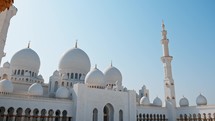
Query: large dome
[26,59]
[95,78]
[112,75]
[74,60]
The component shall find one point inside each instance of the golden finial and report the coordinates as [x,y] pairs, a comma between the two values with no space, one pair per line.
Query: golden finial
[76,44]
[29,43]
[163,25]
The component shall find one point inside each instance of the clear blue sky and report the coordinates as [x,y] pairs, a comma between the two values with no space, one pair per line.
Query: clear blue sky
[128,32]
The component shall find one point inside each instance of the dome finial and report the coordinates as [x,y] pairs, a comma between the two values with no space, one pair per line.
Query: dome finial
[163,25]
[95,66]
[29,43]
[76,44]
[111,64]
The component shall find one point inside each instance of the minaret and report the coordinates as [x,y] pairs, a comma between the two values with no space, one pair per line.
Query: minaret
[166,59]
[5,17]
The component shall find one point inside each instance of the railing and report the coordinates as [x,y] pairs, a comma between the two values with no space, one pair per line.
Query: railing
[33,118]
[196,119]
[151,119]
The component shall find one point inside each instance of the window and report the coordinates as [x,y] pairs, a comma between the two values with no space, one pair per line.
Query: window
[79,76]
[22,72]
[72,75]
[76,76]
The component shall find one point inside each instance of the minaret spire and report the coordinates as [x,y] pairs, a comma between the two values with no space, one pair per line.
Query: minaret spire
[166,59]
[5,17]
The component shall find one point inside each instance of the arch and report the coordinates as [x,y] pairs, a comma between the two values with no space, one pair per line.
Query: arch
[62,83]
[147,117]
[120,115]
[27,114]
[50,114]
[108,112]
[140,117]
[18,116]
[2,110]
[204,117]
[9,116]
[154,117]
[194,117]
[95,114]
[150,117]
[161,117]
[57,115]
[43,115]
[64,118]
[185,117]
[209,117]
[35,114]
[158,117]
[199,117]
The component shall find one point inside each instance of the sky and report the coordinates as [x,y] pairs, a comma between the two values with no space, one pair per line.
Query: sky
[128,33]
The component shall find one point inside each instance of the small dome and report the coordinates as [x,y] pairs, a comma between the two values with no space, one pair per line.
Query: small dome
[184,102]
[62,92]
[112,75]
[157,102]
[144,101]
[74,60]
[35,89]
[26,58]
[95,78]
[6,86]
[201,100]
[6,65]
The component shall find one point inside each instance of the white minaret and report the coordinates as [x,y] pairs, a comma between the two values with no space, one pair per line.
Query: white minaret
[5,17]
[166,59]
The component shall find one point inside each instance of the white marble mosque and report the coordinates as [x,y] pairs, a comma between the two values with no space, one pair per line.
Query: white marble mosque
[78,91]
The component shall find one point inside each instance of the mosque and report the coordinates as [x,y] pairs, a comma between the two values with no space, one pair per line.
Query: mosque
[78,91]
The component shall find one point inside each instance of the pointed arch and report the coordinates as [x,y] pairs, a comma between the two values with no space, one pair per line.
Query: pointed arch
[95,114]
[108,112]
